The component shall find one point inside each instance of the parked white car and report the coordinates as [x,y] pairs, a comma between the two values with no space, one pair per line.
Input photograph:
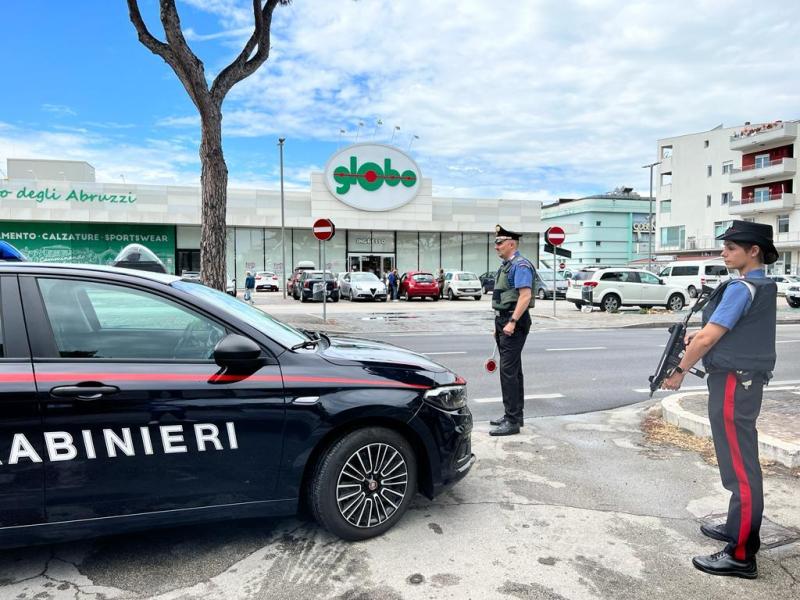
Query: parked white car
[692,275]
[784,282]
[793,295]
[462,284]
[267,281]
[361,285]
[613,288]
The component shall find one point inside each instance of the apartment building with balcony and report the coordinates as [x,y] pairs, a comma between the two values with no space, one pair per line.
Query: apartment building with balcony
[705,180]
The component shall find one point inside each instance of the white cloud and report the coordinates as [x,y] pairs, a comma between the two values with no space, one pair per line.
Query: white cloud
[59,110]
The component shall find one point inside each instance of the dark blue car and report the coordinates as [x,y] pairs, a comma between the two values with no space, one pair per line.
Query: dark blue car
[131,400]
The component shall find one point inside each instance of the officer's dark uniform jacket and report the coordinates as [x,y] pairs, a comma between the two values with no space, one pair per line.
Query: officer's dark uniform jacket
[504,297]
[750,345]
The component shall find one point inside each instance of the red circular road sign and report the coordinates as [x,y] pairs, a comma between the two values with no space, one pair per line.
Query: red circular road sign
[562,266]
[323,229]
[554,235]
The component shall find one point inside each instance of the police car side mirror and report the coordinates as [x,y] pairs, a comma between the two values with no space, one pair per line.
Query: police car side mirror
[237,353]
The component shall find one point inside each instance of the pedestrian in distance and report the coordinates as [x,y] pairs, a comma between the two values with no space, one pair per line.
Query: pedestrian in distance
[737,346]
[396,285]
[249,287]
[440,282]
[392,284]
[511,299]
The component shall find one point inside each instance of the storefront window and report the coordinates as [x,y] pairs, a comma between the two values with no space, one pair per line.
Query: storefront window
[476,252]
[304,247]
[407,251]
[249,251]
[336,253]
[451,251]
[429,248]
[529,248]
[272,251]
[230,256]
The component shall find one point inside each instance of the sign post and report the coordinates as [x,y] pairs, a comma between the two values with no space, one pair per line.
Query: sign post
[324,230]
[555,237]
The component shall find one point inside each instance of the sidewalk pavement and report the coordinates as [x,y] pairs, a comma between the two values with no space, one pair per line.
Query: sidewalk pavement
[778,425]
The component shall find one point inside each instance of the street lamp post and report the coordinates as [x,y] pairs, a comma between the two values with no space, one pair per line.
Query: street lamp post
[283,225]
[652,224]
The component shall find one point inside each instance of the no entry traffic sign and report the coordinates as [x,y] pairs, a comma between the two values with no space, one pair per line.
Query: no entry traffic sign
[554,235]
[323,229]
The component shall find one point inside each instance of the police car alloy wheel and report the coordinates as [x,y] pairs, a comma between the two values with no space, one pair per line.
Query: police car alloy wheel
[364,483]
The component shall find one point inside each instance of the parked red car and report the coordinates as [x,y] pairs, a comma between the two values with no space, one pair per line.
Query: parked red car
[418,284]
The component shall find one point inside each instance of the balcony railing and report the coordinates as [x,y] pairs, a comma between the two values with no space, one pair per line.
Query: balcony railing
[757,136]
[761,203]
[761,171]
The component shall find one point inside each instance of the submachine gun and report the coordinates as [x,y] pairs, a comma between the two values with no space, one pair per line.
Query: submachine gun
[675,348]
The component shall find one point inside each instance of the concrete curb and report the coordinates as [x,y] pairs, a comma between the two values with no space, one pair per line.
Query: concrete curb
[665,324]
[769,447]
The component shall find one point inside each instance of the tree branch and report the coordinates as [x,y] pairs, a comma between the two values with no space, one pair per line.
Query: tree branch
[186,65]
[145,37]
[243,65]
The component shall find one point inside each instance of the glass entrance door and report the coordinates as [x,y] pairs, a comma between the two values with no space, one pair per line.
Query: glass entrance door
[380,264]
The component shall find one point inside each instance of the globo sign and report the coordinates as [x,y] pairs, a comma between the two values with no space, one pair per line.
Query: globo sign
[373,177]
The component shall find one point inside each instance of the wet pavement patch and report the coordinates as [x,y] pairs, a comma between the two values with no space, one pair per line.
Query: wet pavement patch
[436,528]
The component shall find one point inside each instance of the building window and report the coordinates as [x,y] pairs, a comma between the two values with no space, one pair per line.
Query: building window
[597,243]
[673,237]
[597,261]
[708,201]
[666,151]
[580,243]
[598,223]
[580,223]
[786,259]
[705,143]
[580,260]
[762,160]
[726,197]
[783,223]
[708,171]
[720,227]
[761,194]
[666,178]
[665,206]
[727,166]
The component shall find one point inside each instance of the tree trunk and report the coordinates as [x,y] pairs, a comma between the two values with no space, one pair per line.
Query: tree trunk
[214,184]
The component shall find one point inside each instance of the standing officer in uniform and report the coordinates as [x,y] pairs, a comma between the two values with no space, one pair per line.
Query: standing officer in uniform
[511,300]
[737,345]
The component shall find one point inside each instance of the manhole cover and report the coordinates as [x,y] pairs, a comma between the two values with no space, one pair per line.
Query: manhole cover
[772,534]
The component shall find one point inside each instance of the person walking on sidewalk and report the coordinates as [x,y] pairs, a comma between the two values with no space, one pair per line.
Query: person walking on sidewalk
[392,279]
[737,345]
[249,287]
[511,300]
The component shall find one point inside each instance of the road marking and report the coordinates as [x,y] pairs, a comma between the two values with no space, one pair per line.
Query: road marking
[570,349]
[435,334]
[441,353]
[528,397]
[774,385]
[787,342]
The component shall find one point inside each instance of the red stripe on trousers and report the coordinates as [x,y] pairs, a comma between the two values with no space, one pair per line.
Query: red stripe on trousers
[738,468]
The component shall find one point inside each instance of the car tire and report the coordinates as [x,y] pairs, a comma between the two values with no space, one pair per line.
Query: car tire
[435,298]
[692,291]
[339,501]
[675,302]
[541,294]
[793,302]
[610,303]
[302,297]
[450,295]
[483,290]
[335,298]
[578,305]
[408,297]
[477,297]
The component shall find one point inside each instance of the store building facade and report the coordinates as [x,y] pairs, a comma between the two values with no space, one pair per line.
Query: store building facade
[384,210]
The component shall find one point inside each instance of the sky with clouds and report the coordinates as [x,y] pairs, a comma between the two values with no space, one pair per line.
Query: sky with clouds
[517,99]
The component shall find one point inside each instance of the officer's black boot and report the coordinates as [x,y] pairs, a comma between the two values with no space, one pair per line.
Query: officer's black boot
[506,428]
[723,563]
[715,532]
[502,420]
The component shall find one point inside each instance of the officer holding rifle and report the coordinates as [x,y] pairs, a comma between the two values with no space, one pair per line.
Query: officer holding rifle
[737,345]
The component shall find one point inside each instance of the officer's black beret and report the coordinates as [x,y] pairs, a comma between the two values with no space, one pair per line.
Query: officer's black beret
[505,233]
[753,233]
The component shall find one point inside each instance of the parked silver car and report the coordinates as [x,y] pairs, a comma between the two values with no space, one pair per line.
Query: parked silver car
[543,287]
[361,285]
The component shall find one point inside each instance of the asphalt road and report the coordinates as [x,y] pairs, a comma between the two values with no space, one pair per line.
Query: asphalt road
[572,371]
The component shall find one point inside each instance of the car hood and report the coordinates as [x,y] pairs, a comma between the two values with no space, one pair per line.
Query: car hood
[348,351]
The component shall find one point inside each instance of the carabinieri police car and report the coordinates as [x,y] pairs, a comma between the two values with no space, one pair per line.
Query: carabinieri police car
[131,400]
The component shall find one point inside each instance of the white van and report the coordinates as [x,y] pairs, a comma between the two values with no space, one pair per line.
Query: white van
[692,275]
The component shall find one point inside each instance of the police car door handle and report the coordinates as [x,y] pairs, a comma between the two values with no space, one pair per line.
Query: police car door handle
[82,392]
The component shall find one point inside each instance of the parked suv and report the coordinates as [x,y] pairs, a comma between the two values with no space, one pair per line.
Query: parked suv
[418,284]
[692,275]
[304,286]
[461,284]
[303,265]
[616,287]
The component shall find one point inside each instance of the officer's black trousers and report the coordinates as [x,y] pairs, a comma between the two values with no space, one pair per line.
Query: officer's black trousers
[510,349]
[733,411]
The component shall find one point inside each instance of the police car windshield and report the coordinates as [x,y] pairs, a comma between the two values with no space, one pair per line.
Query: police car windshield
[284,334]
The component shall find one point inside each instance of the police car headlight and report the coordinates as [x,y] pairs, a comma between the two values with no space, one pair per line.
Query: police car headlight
[449,397]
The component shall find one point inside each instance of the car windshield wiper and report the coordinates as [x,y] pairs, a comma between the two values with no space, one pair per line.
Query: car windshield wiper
[305,344]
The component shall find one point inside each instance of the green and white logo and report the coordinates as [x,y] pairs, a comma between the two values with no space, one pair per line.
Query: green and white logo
[372,177]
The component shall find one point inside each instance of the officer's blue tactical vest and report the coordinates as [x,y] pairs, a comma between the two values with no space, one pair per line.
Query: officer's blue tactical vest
[750,345]
[504,296]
